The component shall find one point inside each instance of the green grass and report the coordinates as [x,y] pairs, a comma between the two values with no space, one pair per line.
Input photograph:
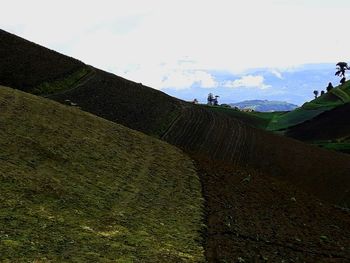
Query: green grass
[77,188]
[292,118]
[62,84]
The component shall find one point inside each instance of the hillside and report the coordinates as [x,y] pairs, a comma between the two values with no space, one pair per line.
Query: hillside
[25,65]
[123,101]
[77,188]
[264,105]
[203,132]
[267,197]
[322,121]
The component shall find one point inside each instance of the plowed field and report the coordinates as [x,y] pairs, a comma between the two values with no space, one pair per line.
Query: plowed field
[124,101]
[202,132]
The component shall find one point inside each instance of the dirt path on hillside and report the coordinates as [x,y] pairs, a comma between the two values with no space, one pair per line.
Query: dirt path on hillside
[258,218]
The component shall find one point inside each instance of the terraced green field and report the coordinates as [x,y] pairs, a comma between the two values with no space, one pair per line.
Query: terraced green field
[336,97]
[78,188]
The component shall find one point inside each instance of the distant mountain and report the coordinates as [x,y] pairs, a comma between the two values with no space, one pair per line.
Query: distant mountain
[264,105]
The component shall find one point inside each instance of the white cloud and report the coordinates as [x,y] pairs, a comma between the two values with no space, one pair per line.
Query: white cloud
[185,79]
[276,73]
[248,81]
[137,36]
[172,78]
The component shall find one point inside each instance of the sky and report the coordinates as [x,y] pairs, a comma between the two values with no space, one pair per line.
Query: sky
[182,46]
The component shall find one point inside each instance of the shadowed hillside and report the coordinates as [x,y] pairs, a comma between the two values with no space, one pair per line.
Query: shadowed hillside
[77,188]
[25,65]
[330,129]
[125,102]
[333,124]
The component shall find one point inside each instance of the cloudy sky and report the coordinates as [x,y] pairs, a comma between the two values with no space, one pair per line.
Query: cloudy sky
[187,46]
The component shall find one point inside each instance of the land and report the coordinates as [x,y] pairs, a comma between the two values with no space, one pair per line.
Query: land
[266,197]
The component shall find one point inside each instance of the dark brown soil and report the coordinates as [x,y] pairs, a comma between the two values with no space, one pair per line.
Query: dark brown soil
[253,217]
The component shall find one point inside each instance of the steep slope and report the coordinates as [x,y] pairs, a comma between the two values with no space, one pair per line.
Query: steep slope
[25,65]
[35,69]
[123,101]
[77,188]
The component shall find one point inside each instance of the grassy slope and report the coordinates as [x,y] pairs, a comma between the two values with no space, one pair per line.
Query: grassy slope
[335,98]
[78,188]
